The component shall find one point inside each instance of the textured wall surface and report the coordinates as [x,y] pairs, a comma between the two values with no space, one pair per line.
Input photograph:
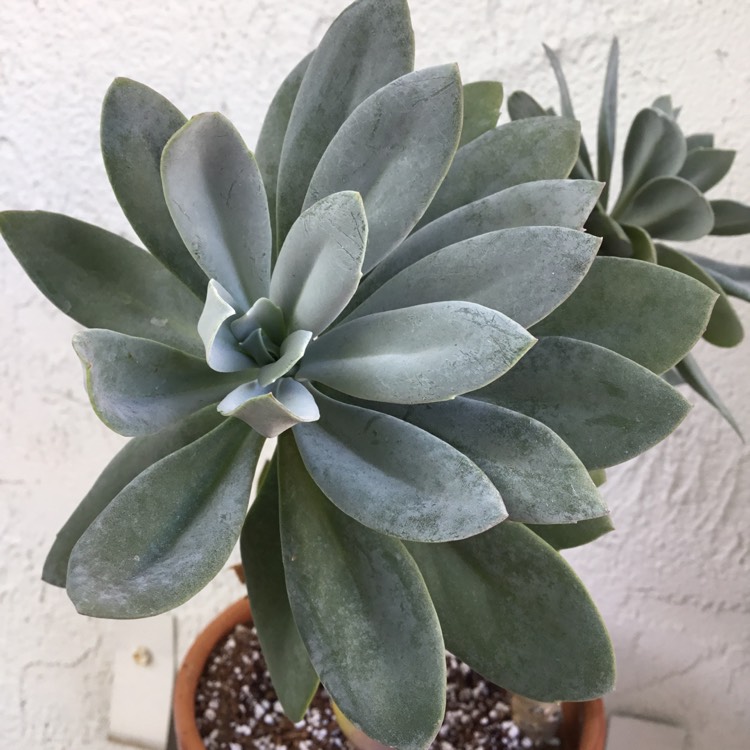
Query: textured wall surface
[672,581]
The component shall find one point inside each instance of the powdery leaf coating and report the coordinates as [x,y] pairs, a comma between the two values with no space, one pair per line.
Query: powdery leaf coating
[394,477]
[509,569]
[417,354]
[605,407]
[649,314]
[364,614]
[136,124]
[294,678]
[215,195]
[132,560]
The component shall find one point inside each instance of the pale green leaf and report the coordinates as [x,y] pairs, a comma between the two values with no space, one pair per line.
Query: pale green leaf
[271,409]
[394,477]
[569,535]
[137,386]
[699,140]
[272,132]
[539,477]
[169,531]
[733,278]
[294,678]
[320,264]
[363,612]
[705,167]
[394,149]
[655,147]
[730,218]
[670,208]
[539,148]
[136,124]
[608,121]
[369,45]
[642,247]
[522,105]
[724,328]
[524,273]
[135,457]
[482,101]
[418,354]
[692,375]
[216,197]
[605,407]
[550,203]
[513,610]
[647,313]
[101,280]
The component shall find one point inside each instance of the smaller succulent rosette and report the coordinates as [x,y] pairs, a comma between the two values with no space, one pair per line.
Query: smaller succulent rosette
[402,293]
[665,178]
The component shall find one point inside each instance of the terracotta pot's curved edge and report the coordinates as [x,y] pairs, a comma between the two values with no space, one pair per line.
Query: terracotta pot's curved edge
[584,725]
[186,682]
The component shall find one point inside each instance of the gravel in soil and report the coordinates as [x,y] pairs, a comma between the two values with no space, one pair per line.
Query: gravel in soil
[236,708]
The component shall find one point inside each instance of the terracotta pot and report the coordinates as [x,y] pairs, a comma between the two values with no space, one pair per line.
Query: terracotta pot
[584,724]
[183,701]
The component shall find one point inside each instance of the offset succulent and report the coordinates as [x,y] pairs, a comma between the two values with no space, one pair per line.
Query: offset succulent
[665,176]
[436,422]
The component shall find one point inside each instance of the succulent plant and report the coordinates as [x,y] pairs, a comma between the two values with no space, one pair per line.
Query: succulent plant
[403,294]
[665,176]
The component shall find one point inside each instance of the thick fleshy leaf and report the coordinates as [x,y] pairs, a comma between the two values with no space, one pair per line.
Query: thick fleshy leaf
[614,239]
[320,264]
[263,315]
[169,531]
[549,203]
[216,197]
[522,105]
[369,45]
[605,407]
[569,535]
[135,457]
[724,328]
[418,354]
[692,375]
[394,149]
[642,247]
[705,167]
[539,148]
[214,327]
[271,409]
[666,105]
[655,147]
[670,208]
[730,218]
[272,132]
[524,273]
[138,387]
[510,606]
[608,121]
[647,313]
[292,349]
[364,614]
[733,278]
[294,678]
[101,280]
[583,166]
[699,140]
[539,477]
[394,477]
[136,124]
[482,101]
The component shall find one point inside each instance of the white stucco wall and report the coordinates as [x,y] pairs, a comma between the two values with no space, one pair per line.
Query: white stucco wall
[672,581]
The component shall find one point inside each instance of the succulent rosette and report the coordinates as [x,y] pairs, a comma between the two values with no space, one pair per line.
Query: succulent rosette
[402,293]
[665,177]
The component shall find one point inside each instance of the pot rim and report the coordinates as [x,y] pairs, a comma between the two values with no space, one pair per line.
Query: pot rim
[188,676]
